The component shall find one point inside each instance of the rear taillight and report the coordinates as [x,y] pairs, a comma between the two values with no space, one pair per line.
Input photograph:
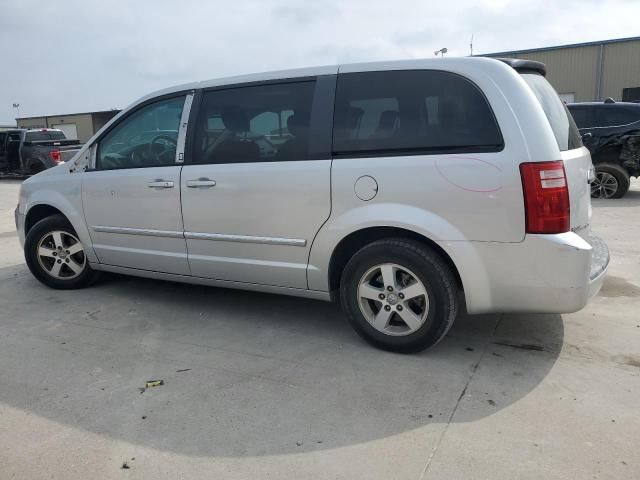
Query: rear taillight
[56,156]
[546,197]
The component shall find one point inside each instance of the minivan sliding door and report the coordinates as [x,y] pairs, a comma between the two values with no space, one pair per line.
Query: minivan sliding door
[256,188]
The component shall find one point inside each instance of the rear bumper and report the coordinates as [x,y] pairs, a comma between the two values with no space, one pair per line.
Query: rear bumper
[544,273]
[599,264]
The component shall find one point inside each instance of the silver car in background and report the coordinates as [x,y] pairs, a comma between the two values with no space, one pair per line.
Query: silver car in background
[402,189]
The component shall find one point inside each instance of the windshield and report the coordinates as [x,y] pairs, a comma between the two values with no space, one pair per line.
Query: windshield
[42,135]
[562,124]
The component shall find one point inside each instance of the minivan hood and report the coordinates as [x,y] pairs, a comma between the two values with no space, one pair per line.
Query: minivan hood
[61,169]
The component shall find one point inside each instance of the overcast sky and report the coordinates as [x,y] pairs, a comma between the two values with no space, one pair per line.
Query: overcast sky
[71,56]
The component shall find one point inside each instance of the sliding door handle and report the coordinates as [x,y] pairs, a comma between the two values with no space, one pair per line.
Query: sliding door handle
[201,183]
[160,184]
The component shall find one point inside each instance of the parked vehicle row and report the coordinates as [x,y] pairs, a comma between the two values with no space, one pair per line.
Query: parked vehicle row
[611,132]
[398,188]
[27,152]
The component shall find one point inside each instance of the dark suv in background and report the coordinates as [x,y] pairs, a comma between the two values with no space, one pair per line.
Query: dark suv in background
[611,132]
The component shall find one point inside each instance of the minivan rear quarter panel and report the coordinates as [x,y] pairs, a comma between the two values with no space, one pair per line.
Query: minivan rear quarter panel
[446,197]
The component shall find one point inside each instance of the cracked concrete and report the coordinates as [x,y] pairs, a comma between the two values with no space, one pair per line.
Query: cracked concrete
[263,386]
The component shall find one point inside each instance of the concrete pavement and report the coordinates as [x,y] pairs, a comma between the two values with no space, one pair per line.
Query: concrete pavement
[264,386]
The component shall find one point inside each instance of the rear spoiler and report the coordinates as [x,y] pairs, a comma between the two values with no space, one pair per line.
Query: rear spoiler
[525,66]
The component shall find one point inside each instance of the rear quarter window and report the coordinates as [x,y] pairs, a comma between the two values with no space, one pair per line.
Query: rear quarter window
[411,112]
[561,122]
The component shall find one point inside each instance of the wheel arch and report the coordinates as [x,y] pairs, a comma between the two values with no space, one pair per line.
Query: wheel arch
[46,202]
[39,212]
[31,166]
[357,239]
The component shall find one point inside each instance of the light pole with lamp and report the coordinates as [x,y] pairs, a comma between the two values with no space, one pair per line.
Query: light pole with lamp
[17,107]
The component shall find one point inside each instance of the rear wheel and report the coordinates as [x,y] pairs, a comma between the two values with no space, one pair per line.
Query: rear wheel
[55,255]
[35,167]
[612,181]
[399,295]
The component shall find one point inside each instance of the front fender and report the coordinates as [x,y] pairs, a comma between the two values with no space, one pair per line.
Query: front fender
[63,192]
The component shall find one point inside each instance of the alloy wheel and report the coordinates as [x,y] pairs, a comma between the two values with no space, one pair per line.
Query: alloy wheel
[61,255]
[605,185]
[392,299]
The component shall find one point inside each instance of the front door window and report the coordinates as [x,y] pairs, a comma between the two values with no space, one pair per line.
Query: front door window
[146,138]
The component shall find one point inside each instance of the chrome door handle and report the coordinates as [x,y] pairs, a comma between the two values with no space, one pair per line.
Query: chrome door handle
[201,183]
[160,184]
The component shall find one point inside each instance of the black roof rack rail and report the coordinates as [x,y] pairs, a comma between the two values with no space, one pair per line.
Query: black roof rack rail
[525,66]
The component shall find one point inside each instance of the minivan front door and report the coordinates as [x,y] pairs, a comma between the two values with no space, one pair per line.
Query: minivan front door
[256,186]
[131,198]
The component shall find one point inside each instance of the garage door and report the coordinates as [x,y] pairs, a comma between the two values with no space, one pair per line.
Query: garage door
[567,97]
[69,130]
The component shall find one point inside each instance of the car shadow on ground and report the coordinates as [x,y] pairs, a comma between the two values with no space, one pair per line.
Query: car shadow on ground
[246,373]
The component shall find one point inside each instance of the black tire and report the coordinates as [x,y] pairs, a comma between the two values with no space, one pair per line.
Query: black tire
[434,273]
[621,176]
[33,238]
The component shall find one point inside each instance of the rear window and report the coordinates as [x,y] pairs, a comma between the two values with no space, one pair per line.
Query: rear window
[613,116]
[44,135]
[411,112]
[583,117]
[561,121]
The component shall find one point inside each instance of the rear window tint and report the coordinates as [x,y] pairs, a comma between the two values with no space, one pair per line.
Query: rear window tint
[44,135]
[261,123]
[614,116]
[411,112]
[561,121]
[583,117]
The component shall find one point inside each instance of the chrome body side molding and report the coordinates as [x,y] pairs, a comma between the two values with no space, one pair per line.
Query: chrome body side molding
[220,237]
[137,231]
[216,237]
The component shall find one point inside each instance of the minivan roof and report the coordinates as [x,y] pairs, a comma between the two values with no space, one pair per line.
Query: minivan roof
[431,63]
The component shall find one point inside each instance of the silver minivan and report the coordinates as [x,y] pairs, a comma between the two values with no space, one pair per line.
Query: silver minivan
[402,189]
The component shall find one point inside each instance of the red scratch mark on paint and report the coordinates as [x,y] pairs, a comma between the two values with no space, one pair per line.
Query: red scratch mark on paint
[467,189]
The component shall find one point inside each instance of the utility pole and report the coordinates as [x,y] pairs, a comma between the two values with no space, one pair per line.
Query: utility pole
[471,45]
[17,107]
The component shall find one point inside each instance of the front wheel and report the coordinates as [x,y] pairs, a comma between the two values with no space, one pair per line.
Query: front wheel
[55,255]
[399,295]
